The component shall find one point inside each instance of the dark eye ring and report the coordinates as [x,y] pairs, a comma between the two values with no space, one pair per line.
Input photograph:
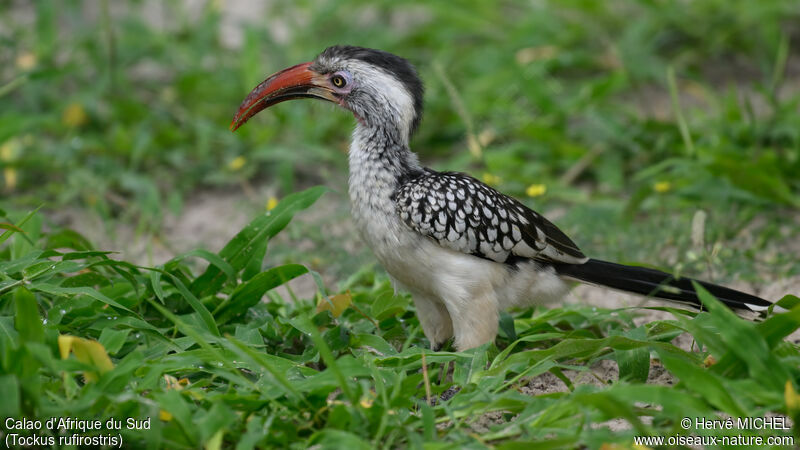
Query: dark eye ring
[338,81]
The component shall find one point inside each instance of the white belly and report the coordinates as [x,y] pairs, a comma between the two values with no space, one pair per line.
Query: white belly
[422,266]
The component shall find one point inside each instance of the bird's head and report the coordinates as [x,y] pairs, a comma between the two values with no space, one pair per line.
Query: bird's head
[382,90]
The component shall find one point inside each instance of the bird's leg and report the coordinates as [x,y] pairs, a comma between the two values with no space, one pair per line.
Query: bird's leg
[474,315]
[435,320]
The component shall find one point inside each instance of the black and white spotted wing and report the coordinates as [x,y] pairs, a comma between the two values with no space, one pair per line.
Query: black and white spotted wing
[463,214]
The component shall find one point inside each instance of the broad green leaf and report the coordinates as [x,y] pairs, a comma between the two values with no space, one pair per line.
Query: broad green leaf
[674,401]
[256,262]
[192,333]
[19,264]
[276,366]
[774,329]
[215,420]
[331,438]
[7,331]
[7,234]
[212,258]
[215,441]
[543,444]
[32,224]
[113,339]
[788,302]
[742,339]
[386,305]
[174,403]
[703,382]
[258,428]
[507,326]
[249,294]
[155,285]
[28,322]
[199,308]
[67,238]
[373,342]
[117,379]
[778,326]
[46,267]
[249,336]
[574,348]
[70,291]
[612,407]
[87,279]
[9,392]
[89,254]
[467,373]
[327,356]
[634,364]
[428,425]
[242,248]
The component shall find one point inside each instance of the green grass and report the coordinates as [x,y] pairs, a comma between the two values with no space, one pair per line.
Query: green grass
[626,117]
[210,364]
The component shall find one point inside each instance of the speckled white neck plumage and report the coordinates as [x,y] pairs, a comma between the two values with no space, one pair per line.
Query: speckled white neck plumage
[379,162]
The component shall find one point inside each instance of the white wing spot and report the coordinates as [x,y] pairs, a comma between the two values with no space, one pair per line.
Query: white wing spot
[452,235]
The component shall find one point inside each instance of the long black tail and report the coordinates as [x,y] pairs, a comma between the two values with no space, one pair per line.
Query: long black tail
[655,283]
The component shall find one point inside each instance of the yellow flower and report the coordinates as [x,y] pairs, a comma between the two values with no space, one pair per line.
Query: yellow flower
[791,397]
[272,202]
[74,115]
[536,190]
[26,61]
[336,304]
[89,352]
[489,178]
[8,152]
[237,163]
[164,415]
[174,383]
[662,187]
[10,175]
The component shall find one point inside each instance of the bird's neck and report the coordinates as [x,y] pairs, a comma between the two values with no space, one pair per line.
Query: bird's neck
[380,161]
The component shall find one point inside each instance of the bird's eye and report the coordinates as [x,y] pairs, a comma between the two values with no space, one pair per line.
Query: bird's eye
[338,81]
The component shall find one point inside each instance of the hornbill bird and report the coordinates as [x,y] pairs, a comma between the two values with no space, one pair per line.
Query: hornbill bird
[462,249]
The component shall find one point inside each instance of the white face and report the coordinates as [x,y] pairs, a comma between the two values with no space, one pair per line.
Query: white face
[376,97]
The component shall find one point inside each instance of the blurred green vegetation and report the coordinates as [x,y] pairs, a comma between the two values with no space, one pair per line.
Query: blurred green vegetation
[101,105]
[122,108]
